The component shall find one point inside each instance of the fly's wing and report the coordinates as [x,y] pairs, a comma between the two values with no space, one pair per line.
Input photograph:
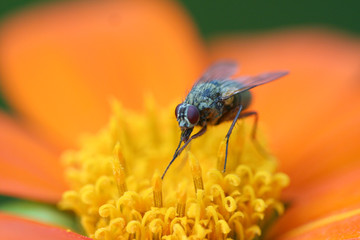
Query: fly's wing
[219,71]
[248,83]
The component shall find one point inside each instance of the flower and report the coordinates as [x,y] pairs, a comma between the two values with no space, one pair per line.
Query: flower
[114,197]
[320,95]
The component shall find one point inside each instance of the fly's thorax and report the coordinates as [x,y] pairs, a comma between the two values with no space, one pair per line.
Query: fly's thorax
[204,95]
[187,115]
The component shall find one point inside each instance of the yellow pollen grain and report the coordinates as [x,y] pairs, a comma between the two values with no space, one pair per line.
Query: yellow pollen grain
[117,193]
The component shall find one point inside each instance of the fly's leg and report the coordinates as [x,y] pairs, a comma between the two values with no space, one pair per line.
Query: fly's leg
[256,143]
[228,135]
[256,119]
[238,116]
[258,146]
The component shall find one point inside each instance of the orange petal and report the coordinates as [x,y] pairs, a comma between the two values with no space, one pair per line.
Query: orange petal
[15,228]
[311,115]
[342,225]
[62,63]
[338,191]
[29,168]
[330,149]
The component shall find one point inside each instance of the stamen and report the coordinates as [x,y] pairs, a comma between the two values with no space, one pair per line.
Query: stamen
[102,233]
[258,205]
[118,153]
[169,215]
[118,164]
[196,172]
[179,231]
[156,227]
[252,232]
[181,204]
[157,191]
[223,227]
[108,210]
[134,229]
[221,156]
[117,226]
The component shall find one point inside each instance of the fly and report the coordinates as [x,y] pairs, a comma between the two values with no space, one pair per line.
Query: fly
[216,98]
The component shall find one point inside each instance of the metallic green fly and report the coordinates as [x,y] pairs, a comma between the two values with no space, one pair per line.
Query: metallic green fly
[216,98]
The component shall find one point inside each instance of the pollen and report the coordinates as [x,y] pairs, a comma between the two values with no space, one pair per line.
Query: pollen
[196,172]
[157,191]
[118,164]
[117,192]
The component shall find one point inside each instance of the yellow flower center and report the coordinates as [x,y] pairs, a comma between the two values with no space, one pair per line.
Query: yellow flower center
[118,194]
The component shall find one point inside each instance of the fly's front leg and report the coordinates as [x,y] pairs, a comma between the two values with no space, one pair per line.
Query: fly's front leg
[178,151]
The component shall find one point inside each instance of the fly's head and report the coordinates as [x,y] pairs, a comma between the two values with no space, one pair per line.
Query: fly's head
[187,116]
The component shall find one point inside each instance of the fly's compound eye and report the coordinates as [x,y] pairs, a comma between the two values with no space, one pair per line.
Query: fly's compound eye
[193,114]
[177,110]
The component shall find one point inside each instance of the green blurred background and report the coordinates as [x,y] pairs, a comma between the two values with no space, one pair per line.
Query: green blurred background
[230,16]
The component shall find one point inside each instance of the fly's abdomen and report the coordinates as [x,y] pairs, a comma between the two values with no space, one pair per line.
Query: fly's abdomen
[241,98]
[244,99]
